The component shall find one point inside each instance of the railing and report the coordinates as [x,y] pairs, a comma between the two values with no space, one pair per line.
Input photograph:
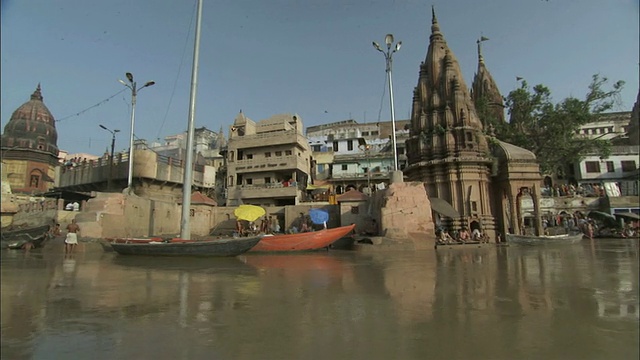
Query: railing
[121,159]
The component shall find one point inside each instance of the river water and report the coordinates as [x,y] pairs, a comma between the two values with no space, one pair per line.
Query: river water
[566,302]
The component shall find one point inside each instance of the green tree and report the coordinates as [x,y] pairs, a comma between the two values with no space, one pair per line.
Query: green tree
[550,130]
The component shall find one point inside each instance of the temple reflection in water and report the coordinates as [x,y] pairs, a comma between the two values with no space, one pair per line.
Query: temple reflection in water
[497,302]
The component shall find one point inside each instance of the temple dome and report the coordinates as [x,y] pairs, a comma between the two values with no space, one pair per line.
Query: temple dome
[32,127]
[512,152]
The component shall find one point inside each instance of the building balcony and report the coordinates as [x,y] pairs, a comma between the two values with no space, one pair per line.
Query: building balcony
[269,139]
[275,190]
[360,176]
[266,164]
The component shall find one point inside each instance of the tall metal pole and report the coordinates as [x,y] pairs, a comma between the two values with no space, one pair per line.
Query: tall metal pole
[185,228]
[393,115]
[129,189]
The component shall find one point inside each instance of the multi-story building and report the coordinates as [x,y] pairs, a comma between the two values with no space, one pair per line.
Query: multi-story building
[269,162]
[347,154]
[379,131]
[607,126]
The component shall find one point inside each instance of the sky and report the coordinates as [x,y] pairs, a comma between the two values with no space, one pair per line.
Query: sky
[313,58]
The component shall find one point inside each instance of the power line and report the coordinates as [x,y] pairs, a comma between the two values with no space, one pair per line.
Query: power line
[93,106]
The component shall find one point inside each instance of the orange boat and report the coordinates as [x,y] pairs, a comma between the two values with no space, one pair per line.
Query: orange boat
[305,241]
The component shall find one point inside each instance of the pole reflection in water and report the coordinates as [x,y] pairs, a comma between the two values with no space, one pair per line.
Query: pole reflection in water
[575,301]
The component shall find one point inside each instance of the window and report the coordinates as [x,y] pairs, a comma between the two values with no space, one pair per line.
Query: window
[35,179]
[287,152]
[610,167]
[249,181]
[344,167]
[593,166]
[316,148]
[365,133]
[374,133]
[230,181]
[267,154]
[628,165]
[335,146]
[474,206]
[350,145]
[320,167]
[267,180]
[249,156]
[278,153]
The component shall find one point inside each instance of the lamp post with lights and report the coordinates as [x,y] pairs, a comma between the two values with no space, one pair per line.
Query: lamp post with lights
[132,85]
[388,56]
[113,144]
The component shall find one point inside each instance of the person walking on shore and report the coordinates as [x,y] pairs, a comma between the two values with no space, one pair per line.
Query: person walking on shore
[73,230]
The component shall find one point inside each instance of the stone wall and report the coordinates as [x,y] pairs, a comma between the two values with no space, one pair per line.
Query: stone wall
[405,214]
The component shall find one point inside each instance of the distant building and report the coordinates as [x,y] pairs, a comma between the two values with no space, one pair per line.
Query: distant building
[608,126]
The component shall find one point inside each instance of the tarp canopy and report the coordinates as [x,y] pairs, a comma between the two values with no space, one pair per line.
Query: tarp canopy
[442,207]
[628,215]
[316,187]
[606,219]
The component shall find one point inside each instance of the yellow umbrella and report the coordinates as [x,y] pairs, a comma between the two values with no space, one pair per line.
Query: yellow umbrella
[249,212]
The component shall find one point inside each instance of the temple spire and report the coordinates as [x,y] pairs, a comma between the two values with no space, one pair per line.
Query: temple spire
[37,95]
[435,28]
[479,42]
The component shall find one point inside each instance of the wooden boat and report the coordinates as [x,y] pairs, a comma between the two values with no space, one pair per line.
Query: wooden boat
[181,247]
[544,239]
[18,238]
[305,241]
[461,245]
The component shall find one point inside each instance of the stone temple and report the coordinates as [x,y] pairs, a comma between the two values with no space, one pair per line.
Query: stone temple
[455,154]
[29,147]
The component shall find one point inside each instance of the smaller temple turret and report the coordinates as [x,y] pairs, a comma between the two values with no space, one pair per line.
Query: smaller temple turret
[485,94]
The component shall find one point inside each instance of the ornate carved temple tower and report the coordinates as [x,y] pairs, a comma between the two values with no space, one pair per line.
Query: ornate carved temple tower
[447,149]
[29,149]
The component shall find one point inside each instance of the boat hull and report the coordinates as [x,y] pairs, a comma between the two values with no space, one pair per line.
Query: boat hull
[307,241]
[544,240]
[16,239]
[217,247]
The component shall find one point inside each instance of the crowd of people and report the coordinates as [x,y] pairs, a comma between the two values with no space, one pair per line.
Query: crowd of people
[587,190]
[462,236]
[268,225]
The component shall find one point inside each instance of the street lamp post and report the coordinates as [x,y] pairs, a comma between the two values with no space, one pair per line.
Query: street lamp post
[367,150]
[388,56]
[113,144]
[134,92]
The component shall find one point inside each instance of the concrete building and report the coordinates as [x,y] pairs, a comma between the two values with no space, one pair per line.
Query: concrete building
[608,126]
[269,162]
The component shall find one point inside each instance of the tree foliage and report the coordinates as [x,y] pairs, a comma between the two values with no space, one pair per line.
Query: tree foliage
[550,130]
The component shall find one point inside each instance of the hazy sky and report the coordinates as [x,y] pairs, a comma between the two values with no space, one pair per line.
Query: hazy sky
[310,57]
